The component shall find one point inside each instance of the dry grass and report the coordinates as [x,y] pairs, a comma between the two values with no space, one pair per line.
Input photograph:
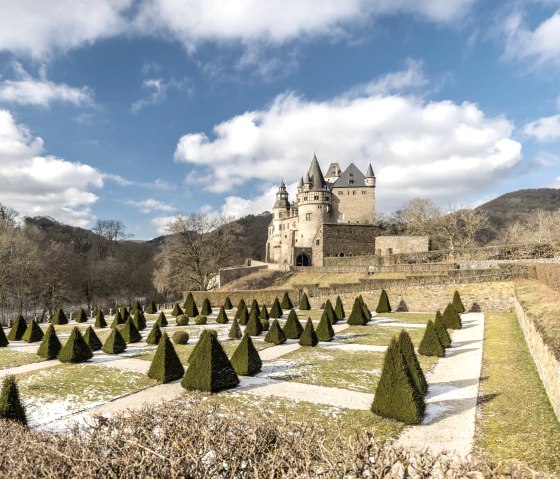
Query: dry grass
[10,358]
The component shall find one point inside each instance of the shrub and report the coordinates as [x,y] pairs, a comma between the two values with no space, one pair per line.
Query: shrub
[275,335]
[92,340]
[100,319]
[451,318]
[457,303]
[161,320]
[264,313]
[255,308]
[33,333]
[166,365]
[441,330]
[411,360]
[246,360]
[50,345]
[204,333]
[309,337]
[76,349]
[188,301]
[402,307]
[210,370]
[240,306]
[124,313]
[11,406]
[254,326]
[206,309]
[3,339]
[18,329]
[357,316]
[200,319]
[222,316]
[115,343]
[155,335]
[182,320]
[129,332]
[191,309]
[329,312]
[339,309]
[118,319]
[325,331]
[383,306]
[59,317]
[235,330]
[243,316]
[81,317]
[365,308]
[136,307]
[304,303]
[293,328]
[152,308]
[180,337]
[227,303]
[276,310]
[475,308]
[265,323]
[396,397]
[176,310]
[430,344]
[139,320]
[286,301]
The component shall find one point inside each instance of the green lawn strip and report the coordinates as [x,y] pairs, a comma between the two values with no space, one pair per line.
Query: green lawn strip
[514,419]
[376,335]
[409,317]
[10,358]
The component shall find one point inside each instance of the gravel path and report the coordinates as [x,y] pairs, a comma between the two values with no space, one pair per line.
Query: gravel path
[26,368]
[452,395]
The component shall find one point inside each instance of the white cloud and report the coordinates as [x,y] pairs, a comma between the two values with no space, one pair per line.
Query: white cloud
[545,129]
[43,185]
[151,204]
[161,223]
[158,89]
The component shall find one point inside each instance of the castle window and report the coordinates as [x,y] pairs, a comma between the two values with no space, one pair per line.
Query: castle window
[340,193]
[353,192]
[317,242]
[308,217]
[351,175]
[316,197]
[351,182]
[305,198]
[364,192]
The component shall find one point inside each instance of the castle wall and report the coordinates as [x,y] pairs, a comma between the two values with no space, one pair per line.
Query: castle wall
[353,205]
[387,245]
[344,240]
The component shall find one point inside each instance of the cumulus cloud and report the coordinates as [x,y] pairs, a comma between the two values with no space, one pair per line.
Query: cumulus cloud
[545,129]
[161,223]
[157,91]
[151,204]
[43,185]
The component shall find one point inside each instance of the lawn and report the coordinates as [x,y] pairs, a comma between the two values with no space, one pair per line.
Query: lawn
[408,317]
[9,358]
[377,335]
[514,419]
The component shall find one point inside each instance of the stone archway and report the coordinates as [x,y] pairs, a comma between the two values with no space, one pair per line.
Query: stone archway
[303,260]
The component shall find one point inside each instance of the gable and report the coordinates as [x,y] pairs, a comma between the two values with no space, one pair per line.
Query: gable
[352,177]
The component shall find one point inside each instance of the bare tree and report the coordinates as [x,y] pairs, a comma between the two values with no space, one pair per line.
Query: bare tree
[541,228]
[110,233]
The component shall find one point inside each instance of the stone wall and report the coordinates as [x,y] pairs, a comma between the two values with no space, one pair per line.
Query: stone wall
[227,275]
[547,364]
[389,245]
[353,205]
[341,240]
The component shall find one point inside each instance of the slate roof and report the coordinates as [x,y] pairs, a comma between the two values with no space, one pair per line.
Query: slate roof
[316,175]
[369,172]
[351,177]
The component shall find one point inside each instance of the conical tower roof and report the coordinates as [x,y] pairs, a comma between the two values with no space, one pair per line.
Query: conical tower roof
[300,184]
[369,172]
[316,175]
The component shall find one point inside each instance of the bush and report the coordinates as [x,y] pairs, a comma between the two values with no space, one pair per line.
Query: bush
[339,309]
[210,370]
[206,309]
[176,310]
[275,335]
[308,337]
[240,306]
[254,326]
[155,335]
[18,329]
[222,316]
[329,312]
[411,360]
[367,312]
[325,331]
[357,316]
[204,333]
[286,301]
[402,307]
[100,319]
[264,313]
[276,310]
[137,307]
[396,396]
[191,310]
[59,317]
[124,314]
[475,308]
[33,333]
[451,318]
[235,330]
[255,308]
[92,340]
[118,319]
[457,303]
[441,330]
[139,320]
[161,320]
[182,320]
[76,349]
[152,308]
[115,343]
[430,344]
[383,306]
[246,360]
[180,337]
[50,345]
[129,332]
[166,365]
[81,317]
[227,303]
[243,316]
[293,328]
[3,339]
[265,323]
[11,406]
[200,319]
[304,303]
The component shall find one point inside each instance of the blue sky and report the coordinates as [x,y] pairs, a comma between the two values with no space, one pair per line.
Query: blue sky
[139,110]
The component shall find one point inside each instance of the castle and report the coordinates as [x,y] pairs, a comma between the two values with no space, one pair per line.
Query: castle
[333,215]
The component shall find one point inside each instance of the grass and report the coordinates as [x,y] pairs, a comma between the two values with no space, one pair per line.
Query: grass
[10,358]
[377,335]
[515,419]
[409,317]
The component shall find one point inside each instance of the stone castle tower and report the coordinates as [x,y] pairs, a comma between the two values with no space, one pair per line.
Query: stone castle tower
[339,198]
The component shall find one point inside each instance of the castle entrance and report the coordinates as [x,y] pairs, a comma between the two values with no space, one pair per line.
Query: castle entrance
[303,260]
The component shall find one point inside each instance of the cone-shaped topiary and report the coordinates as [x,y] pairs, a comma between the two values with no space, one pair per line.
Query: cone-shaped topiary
[180,337]
[136,307]
[129,332]
[188,301]
[115,343]
[339,309]
[451,318]
[411,360]
[176,310]
[11,406]
[309,336]
[152,308]
[330,313]
[166,365]
[275,335]
[222,316]
[325,331]
[3,339]
[206,309]
[118,319]
[59,317]
[92,339]
[243,316]
[264,313]
[457,303]
[265,323]
[304,303]
[235,330]
[276,310]
[475,308]
[76,349]
[155,335]
[430,344]
[246,360]
[255,308]
[18,329]
[357,316]
[227,303]
[441,330]
[240,306]
[100,319]
[293,328]
[50,345]
[81,317]
[124,313]
[254,326]
[402,307]
[396,396]
[383,306]
[367,312]
[161,320]
[33,333]
[286,301]
[210,370]
[139,320]
[204,333]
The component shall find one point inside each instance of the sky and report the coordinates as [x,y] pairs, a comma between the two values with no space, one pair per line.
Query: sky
[138,110]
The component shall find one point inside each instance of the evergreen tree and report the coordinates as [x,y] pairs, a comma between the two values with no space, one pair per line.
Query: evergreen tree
[139,320]
[129,332]
[59,317]
[339,309]
[265,323]
[475,308]
[293,328]
[115,343]
[166,365]
[18,329]
[304,303]
[441,330]
[451,318]
[222,316]
[246,360]
[457,303]
[206,308]
[3,339]
[402,307]
[254,326]
[50,345]
[243,316]
[152,308]
[396,396]
[81,317]
[309,337]
[92,340]
[357,316]
[367,312]
[210,370]
[411,360]
[264,313]
[200,319]
[325,330]
[276,310]
[11,406]
[240,306]
[187,305]
[286,301]
[118,319]
[227,304]
[76,349]
[176,310]
[155,335]
[33,333]
[383,306]
[430,344]
[329,312]
[100,319]
[235,330]
[124,313]
[162,320]
[180,337]
[136,307]
[255,308]
[275,335]
[196,348]
[182,320]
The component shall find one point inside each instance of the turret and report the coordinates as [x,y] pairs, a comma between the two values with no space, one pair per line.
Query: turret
[370,177]
[281,207]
